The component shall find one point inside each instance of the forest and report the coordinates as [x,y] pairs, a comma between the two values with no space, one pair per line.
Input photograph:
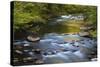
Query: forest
[34,16]
[48,33]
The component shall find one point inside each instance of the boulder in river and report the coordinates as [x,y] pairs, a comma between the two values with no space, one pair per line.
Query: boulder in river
[33,38]
[84,33]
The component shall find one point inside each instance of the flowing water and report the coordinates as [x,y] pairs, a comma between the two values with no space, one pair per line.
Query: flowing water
[55,48]
[58,44]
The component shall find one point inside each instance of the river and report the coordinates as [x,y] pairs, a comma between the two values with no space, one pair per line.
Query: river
[59,43]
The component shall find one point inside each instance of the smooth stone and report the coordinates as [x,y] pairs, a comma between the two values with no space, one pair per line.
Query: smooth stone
[30,38]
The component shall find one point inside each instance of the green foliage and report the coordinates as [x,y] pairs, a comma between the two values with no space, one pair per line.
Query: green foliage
[40,13]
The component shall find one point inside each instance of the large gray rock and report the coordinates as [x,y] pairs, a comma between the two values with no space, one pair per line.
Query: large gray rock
[33,38]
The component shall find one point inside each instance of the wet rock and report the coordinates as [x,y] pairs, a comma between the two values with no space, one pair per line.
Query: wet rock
[94,59]
[18,51]
[25,45]
[26,50]
[84,34]
[33,39]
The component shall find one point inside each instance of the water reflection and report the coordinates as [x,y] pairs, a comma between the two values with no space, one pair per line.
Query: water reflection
[54,48]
